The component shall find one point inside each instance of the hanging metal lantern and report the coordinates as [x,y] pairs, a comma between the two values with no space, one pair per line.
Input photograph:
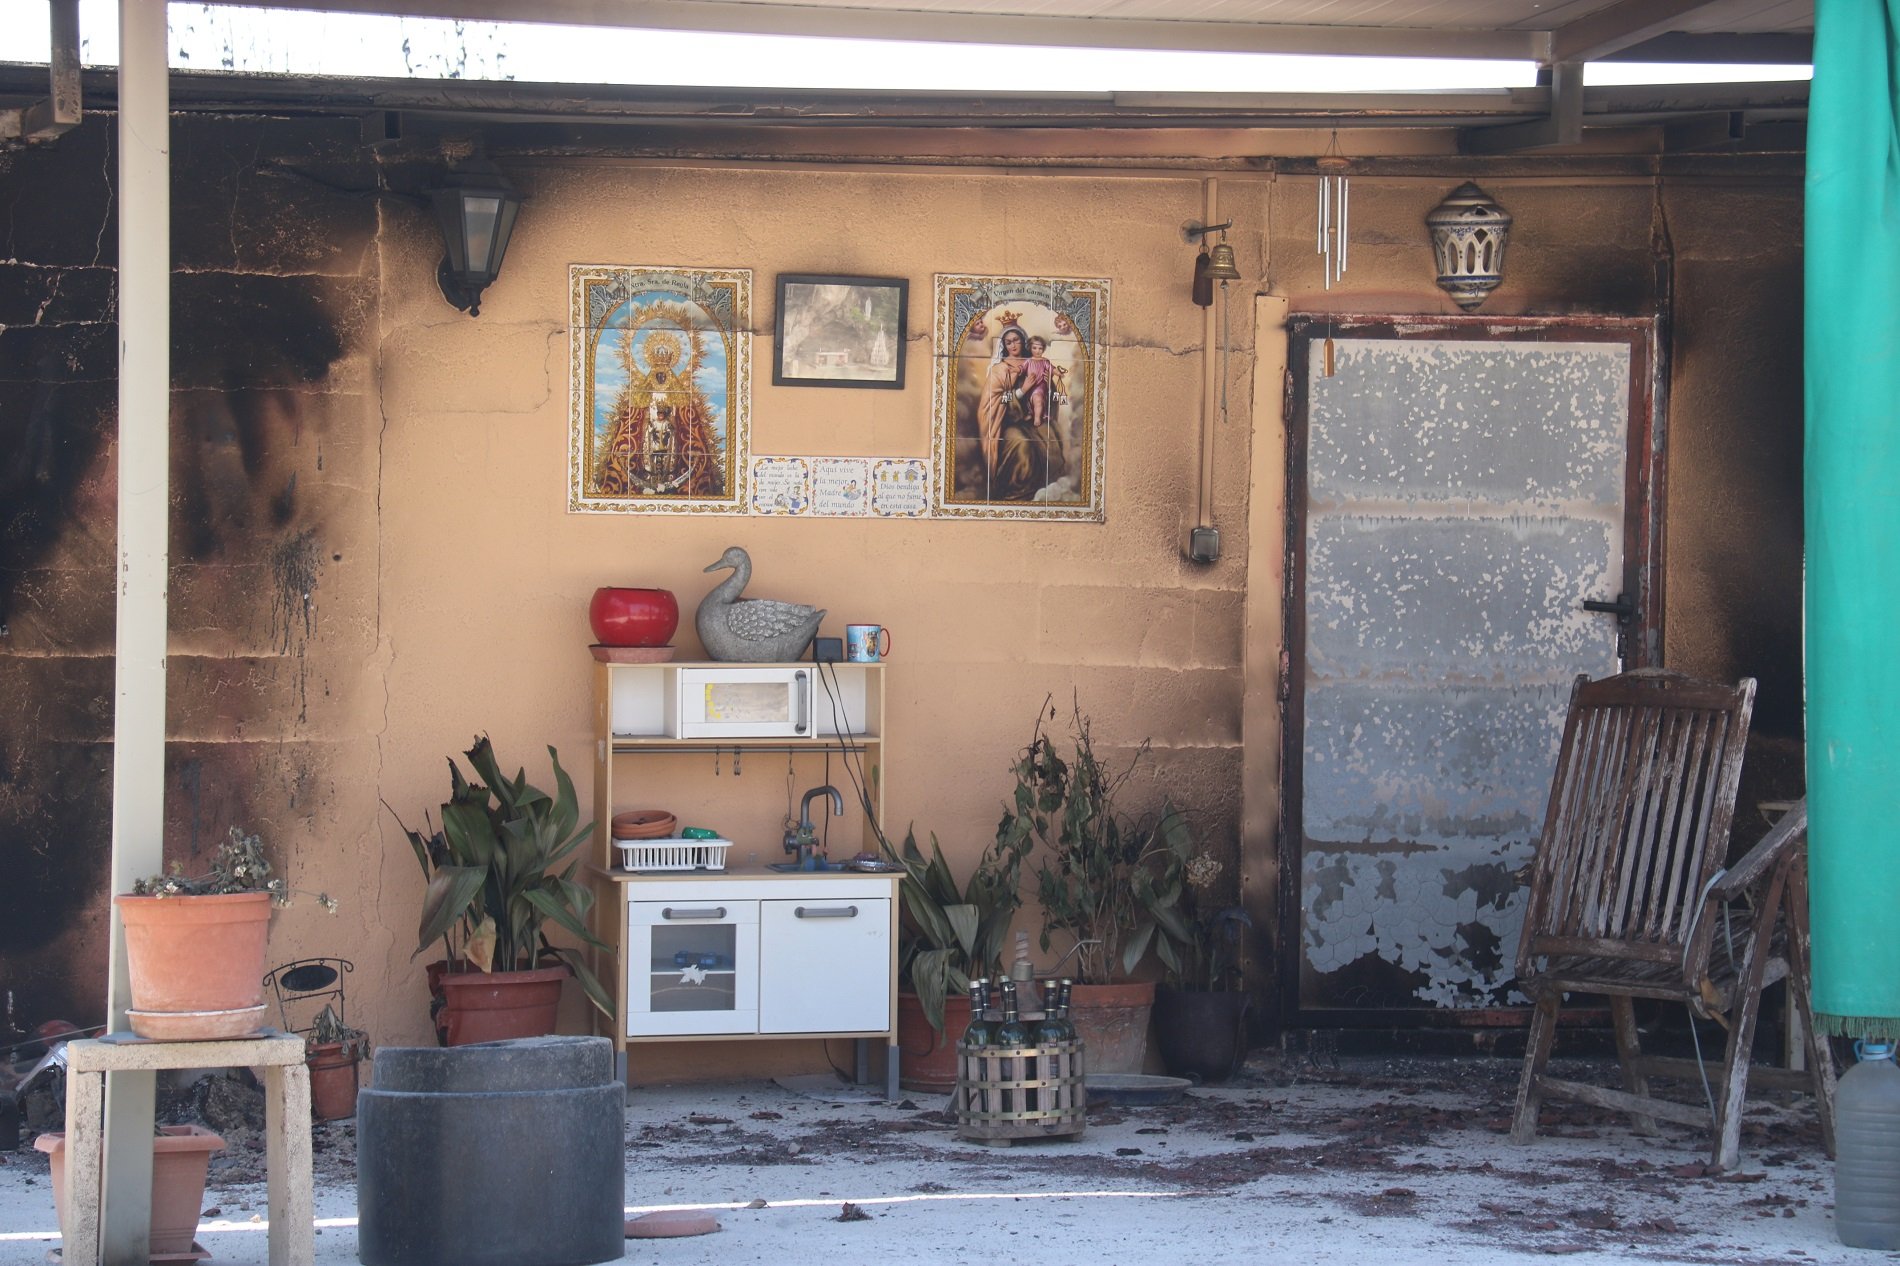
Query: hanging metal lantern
[1469,230]
[475,209]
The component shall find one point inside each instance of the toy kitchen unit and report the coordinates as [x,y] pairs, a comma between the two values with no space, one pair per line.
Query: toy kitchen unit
[735,910]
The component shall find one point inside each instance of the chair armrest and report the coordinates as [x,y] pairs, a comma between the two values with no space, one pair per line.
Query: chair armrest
[1784,835]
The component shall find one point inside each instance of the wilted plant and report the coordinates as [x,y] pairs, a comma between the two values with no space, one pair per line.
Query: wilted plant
[238,865]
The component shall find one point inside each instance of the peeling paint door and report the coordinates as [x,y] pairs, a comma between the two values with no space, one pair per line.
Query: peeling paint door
[1460,487]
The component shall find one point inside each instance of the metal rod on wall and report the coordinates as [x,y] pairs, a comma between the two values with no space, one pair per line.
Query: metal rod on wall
[1204,499]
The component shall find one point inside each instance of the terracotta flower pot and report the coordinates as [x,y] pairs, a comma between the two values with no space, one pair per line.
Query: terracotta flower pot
[333,1081]
[195,964]
[1201,1034]
[1112,1021]
[491,1006]
[633,617]
[927,1059]
[180,1156]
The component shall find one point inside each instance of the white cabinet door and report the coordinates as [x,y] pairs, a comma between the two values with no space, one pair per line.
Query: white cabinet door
[692,966]
[827,965]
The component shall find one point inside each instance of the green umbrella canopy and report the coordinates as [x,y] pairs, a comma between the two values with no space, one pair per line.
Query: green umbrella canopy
[1853,514]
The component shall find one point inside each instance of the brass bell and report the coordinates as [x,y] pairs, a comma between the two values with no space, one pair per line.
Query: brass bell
[1220,264]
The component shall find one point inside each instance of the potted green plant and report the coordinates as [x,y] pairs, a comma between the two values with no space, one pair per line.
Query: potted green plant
[495,878]
[950,933]
[195,943]
[333,1051]
[1200,1008]
[1102,878]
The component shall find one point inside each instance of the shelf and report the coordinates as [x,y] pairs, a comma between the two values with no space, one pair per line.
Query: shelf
[628,744]
[644,710]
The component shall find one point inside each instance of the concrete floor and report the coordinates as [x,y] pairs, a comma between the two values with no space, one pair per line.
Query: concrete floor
[1375,1160]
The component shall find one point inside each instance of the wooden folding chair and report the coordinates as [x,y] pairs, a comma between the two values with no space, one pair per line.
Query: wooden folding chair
[1630,899]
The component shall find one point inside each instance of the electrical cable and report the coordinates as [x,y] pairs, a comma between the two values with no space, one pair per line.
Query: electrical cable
[852,761]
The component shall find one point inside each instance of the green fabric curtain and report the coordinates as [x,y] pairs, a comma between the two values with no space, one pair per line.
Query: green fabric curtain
[1853,514]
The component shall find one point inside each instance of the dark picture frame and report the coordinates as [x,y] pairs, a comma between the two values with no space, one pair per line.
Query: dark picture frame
[833,331]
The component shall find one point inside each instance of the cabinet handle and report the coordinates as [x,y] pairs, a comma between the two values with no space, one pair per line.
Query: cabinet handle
[824,912]
[716,912]
[801,721]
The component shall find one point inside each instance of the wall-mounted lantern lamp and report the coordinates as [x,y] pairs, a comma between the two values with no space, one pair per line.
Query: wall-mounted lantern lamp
[475,210]
[1469,230]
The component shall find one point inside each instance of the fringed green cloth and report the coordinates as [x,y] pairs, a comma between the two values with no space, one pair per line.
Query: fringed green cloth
[1853,515]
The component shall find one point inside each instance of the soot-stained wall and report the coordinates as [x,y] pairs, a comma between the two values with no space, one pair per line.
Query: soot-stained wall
[372,560]
[272,288]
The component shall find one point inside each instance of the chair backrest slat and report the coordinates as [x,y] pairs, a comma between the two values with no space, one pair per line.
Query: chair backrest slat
[1685,736]
[1639,813]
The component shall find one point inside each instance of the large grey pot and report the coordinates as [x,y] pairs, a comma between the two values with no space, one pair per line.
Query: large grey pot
[496,1154]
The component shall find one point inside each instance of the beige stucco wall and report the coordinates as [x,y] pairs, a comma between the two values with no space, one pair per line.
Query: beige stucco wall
[483,577]
[373,560]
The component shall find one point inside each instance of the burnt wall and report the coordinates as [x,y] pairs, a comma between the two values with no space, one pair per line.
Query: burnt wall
[271,229]
[371,558]
[1735,477]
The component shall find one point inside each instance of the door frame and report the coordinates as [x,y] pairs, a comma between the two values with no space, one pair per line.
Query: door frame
[1643,524]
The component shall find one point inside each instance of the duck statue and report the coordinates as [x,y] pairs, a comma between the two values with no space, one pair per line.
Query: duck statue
[752,630]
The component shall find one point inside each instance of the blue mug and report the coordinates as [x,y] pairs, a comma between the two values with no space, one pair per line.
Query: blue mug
[866,643]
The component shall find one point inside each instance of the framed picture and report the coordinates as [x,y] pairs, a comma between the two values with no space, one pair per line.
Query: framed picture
[1020,397]
[659,389]
[840,331]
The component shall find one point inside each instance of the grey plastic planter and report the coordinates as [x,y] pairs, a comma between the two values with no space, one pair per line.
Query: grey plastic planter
[496,1154]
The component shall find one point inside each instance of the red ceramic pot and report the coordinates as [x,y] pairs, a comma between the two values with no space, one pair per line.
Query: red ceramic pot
[633,617]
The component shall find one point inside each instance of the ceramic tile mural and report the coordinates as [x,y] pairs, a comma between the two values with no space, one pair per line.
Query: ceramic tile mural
[1019,398]
[660,385]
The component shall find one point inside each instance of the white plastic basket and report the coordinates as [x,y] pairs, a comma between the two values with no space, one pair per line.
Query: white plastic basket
[673,854]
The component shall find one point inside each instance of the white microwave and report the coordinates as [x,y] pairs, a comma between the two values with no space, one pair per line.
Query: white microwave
[743,703]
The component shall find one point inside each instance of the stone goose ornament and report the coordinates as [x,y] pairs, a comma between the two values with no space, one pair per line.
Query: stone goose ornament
[752,630]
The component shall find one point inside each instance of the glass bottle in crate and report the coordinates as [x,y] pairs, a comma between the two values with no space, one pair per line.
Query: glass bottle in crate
[1055,1026]
[977,1036]
[1011,1032]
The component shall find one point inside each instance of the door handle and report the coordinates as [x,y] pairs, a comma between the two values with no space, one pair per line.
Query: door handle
[715,912]
[1623,609]
[824,912]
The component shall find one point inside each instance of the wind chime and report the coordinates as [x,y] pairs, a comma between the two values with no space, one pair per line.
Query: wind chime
[1335,219]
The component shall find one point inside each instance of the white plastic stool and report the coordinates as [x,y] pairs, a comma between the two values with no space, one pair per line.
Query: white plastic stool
[286,1131]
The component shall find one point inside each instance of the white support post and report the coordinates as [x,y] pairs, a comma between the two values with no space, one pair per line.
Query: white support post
[144,478]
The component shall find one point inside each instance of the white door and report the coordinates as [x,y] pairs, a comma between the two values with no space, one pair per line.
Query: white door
[692,967]
[829,965]
[1463,488]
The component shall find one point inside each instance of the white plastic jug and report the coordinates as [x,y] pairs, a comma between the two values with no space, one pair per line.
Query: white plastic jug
[1867,1150]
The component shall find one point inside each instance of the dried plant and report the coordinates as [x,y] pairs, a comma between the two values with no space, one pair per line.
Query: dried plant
[238,865]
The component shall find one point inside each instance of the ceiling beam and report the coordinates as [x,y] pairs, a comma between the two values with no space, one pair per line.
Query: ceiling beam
[1621,25]
[1763,48]
[1562,126]
[749,17]
[59,112]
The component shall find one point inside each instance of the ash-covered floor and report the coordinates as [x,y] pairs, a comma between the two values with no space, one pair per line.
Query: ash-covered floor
[1376,1160]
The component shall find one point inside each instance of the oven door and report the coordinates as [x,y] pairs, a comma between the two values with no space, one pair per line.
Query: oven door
[692,967]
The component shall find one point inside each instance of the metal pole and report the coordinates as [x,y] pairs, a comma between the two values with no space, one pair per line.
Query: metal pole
[138,723]
[1204,484]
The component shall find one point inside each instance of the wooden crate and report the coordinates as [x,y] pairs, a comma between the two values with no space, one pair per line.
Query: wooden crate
[1010,1094]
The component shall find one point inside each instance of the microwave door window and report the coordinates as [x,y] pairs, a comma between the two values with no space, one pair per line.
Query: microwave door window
[747,703]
